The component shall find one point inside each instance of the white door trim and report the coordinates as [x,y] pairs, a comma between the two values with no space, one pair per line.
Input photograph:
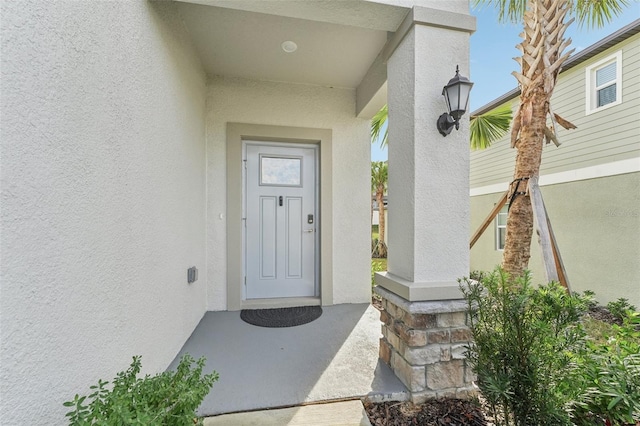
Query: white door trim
[236,134]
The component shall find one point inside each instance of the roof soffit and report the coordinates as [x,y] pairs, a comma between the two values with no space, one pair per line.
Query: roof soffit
[247,44]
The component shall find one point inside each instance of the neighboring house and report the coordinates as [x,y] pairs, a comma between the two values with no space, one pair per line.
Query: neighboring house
[142,138]
[590,184]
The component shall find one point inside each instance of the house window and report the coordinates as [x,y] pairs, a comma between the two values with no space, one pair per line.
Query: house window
[501,228]
[604,83]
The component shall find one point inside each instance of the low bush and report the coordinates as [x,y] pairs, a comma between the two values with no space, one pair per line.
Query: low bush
[377,266]
[169,398]
[522,349]
[541,361]
[609,374]
[621,308]
[477,275]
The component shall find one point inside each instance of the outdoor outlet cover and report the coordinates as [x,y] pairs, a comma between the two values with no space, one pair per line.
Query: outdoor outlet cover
[192,275]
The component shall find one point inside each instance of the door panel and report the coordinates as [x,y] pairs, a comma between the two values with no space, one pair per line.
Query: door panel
[280,244]
[294,238]
[268,227]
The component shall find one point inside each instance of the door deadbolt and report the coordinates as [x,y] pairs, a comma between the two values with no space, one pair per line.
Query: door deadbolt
[310,219]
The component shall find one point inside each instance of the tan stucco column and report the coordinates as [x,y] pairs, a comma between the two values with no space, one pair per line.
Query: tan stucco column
[428,173]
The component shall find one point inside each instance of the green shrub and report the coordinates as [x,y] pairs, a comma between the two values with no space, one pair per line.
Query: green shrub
[377,266]
[590,297]
[598,331]
[621,308]
[523,338]
[610,374]
[477,275]
[169,398]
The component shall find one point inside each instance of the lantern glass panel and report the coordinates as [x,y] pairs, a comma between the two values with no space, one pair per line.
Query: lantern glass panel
[452,96]
[465,90]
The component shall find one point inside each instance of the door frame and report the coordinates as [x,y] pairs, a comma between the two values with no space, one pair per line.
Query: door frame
[237,134]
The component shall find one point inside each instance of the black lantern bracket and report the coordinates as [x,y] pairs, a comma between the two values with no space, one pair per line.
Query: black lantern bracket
[446,123]
[456,95]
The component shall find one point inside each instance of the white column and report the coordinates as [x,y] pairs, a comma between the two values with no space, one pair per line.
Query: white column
[428,173]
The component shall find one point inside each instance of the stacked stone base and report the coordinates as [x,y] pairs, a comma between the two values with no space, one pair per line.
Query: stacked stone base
[424,343]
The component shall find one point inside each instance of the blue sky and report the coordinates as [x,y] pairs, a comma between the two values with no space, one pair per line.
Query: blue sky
[493,47]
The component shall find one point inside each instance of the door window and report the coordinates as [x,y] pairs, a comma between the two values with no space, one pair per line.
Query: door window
[281,171]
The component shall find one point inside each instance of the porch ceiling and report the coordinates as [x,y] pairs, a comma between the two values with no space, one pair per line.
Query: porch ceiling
[337,41]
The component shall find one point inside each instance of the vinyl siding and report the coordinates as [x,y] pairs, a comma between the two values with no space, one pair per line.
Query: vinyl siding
[602,137]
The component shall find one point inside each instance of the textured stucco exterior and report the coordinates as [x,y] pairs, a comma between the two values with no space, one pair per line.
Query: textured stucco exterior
[428,188]
[280,104]
[103,197]
[114,182]
[596,223]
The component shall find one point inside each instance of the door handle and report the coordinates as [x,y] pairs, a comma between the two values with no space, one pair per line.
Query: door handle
[280,200]
[308,230]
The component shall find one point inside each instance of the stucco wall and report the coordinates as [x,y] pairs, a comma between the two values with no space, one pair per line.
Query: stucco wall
[597,226]
[281,104]
[103,197]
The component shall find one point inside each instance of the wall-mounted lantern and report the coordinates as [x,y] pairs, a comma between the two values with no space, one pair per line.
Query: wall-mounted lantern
[456,93]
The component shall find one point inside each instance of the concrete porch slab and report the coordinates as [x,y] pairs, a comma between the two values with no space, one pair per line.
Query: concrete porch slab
[345,413]
[334,357]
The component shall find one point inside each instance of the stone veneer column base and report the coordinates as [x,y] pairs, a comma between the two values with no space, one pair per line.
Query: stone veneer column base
[424,345]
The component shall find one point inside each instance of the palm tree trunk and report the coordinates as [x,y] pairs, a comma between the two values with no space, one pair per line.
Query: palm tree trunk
[543,53]
[517,250]
[381,222]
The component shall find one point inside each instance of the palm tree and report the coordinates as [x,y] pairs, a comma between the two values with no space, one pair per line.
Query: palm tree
[484,128]
[379,179]
[543,53]
[377,124]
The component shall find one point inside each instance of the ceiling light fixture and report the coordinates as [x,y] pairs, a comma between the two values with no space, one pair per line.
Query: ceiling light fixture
[289,46]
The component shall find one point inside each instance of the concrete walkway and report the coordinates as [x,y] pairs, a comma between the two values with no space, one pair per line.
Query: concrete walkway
[346,413]
[334,357]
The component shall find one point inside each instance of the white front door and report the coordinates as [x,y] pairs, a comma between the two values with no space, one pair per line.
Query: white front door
[281,221]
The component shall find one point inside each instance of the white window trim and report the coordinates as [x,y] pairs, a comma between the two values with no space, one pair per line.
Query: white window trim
[591,93]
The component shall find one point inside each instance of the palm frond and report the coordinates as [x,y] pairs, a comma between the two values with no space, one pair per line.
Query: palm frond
[596,13]
[490,126]
[379,175]
[377,123]
[509,11]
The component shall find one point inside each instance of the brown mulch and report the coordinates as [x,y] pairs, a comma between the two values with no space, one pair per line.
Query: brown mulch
[602,314]
[436,412]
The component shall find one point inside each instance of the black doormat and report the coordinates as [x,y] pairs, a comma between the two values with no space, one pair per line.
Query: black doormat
[281,317]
